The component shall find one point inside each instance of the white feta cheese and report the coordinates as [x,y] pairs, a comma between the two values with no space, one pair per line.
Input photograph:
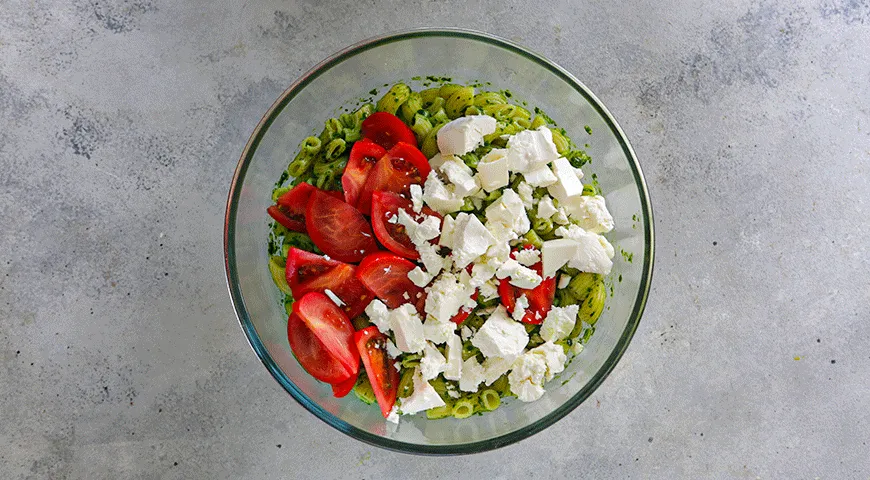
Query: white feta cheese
[430,258]
[509,211]
[453,368]
[554,358]
[423,398]
[379,315]
[392,350]
[407,328]
[531,148]
[432,362]
[561,216]
[556,253]
[393,417]
[591,213]
[446,296]
[526,278]
[447,230]
[567,184]
[466,333]
[332,296]
[470,239]
[481,272]
[522,303]
[508,268]
[464,134]
[564,280]
[416,197]
[528,256]
[541,176]
[488,290]
[438,159]
[419,277]
[427,230]
[559,323]
[438,332]
[576,348]
[492,170]
[461,176]
[453,393]
[593,253]
[526,378]
[495,367]
[500,336]
[526,194]
[472,375]
[437,196]
[546,209]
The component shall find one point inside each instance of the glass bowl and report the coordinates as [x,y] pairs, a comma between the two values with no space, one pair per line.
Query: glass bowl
[465,56]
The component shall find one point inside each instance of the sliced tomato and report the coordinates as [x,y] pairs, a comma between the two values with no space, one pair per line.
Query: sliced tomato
[540,298]
[464,312]
[309,272]
[385,205]
[402,166]
[372,347]
[338,229]
[343,388]
[282,216]
[332,327]
[312,355]
[386,275]
[386,130]
[363,157]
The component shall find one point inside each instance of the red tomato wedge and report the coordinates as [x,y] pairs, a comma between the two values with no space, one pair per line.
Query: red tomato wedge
[372,347]
[540,298]
[312,355]
[386,130]
[331,327]
[386,275]
[309,272]
[385,205]
[338,229]
[394,172]
[343,388]
[290,208]
[284,217]
[363,157]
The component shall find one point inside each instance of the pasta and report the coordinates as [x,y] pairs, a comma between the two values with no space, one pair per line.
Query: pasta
[394,98]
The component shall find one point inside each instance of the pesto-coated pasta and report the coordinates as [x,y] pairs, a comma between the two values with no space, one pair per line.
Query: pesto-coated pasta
[311,146]
[563,145]
[458,101]
[443,411]
[420,125]
[490,399]
[429,95]
[412,105]
[483,99]
[394,98]
[429,145]
[463,408]
[538,121]
[592,307]
[334,148]
[276,268]
[446,90]
[542,226]
[406,383]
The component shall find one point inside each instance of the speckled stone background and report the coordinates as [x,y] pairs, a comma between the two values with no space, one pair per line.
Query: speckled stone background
[121,123]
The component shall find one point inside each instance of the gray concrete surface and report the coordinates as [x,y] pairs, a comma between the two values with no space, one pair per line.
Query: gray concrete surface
[121,123]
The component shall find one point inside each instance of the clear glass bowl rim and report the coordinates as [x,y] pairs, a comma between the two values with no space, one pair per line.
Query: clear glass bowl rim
[339,424]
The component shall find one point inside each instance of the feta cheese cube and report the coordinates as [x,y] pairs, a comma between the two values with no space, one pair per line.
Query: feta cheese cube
[488,290]
[591,213]
[559,323]
[528,256]
[564,280]
[561,216]
[526,278]
[522,303]
[447,229]
[492,170]
[419,277]
[472,375]
[480,274]
[393,417]
[567,184]
[500,336]
[526,378]
[470,239]
[453,368]
[446,296]
[438,159]
[531,148]
[556,253]
[546,209]
[510,211]
[526,194]
[426,230]
[541,176]
[407,328]
[495,367]
[508,268]
[430,258]
[379,315]
[392,350]
[594,252]
[438,332]
[554,358]
[437,196]
[423,398]
[432,362]
[464,183]
[416,197]
[464,134]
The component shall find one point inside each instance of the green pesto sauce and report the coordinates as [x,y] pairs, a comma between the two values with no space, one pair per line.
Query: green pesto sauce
[588,129]
[627,256]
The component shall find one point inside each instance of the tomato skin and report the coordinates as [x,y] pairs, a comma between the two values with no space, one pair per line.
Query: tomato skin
[363,157]
[281,216]
[402,166]
[338,229]
[540,298]
[386,275]
[392,235]
[309,272]
[386,130]
[311,353]
[332,327]
[382,374]
[343,388]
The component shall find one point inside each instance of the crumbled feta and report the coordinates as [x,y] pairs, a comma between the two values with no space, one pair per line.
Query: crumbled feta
[379,315]
[593,253]
[525,278]
[522,303]
[556,253]
[470,239]
[419,277]
[453,368]
[407,328]
[528,256]
[510,211]
[332,296]
[472,375]
[559,323]
[464,134]
[495,367]
[438,332]
[453,393]
[432,362]
[480,274]
[492,170]
[560,217]
[526,194]
[393,417]
[591,213]
[554,358]
[564,280]
[446,297]
[541,176]
[464,183]
[392,350]
[531,148]
[423,398]
[508,268]
[447,229]
[526,378]
[430,258]
[500,336]
[416,197]
[420,232]
[466,333]
[488,290]
[437,196]
[567,184]
[546,209]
